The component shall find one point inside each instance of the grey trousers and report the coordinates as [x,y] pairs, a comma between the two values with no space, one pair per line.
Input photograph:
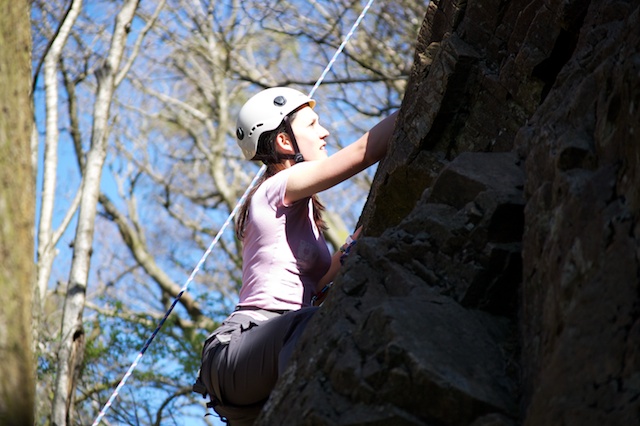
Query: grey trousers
[242,359]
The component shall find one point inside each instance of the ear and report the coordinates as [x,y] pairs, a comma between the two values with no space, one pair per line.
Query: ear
[283,144]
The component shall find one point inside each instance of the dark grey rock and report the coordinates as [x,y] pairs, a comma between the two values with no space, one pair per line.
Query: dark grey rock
[497,280]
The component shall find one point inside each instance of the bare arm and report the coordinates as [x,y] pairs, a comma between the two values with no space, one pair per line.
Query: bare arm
[335,266]
[331,273]
[311,177]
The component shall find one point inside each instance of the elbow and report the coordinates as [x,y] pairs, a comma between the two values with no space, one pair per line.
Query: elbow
[374,153]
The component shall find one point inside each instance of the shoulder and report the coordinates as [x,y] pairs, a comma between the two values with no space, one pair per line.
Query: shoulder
[273,189]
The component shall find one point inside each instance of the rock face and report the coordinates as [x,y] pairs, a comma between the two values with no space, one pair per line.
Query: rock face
[498,281]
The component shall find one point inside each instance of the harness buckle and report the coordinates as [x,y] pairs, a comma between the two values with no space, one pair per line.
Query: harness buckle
[199,387]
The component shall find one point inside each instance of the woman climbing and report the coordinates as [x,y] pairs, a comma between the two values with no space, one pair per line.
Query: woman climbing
[286,262]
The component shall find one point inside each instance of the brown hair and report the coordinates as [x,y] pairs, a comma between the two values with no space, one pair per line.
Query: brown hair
[267,153]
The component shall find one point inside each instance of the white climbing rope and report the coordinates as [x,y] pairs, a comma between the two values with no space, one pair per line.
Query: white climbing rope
[226,223]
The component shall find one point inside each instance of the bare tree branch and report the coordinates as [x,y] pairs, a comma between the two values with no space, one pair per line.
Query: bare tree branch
[134,242]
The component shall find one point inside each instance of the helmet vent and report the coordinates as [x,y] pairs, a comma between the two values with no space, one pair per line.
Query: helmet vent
[253,129]
[280,101]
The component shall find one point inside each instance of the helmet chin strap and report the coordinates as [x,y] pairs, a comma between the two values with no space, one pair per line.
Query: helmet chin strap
[298,158]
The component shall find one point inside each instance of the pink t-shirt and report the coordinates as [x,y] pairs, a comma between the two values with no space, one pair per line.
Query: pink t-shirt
[284,254]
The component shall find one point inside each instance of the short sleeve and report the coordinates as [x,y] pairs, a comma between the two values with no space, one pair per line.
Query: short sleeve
[275,189]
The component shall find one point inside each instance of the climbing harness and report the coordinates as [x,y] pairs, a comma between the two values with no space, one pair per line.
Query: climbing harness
[222,229]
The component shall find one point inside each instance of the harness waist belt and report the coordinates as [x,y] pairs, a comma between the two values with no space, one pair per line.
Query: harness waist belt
[254,308]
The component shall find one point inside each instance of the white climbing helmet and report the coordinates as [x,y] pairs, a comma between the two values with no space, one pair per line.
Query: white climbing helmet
[265,111]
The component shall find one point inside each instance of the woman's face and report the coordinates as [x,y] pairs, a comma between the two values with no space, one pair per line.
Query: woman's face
[310,135]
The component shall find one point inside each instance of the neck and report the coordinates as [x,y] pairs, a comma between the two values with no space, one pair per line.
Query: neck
[288,163]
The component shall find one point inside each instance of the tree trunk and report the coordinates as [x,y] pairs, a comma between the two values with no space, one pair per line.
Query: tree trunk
[47,238]
[17,369]
[72,345]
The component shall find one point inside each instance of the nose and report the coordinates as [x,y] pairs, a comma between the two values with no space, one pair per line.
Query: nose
[324,133]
